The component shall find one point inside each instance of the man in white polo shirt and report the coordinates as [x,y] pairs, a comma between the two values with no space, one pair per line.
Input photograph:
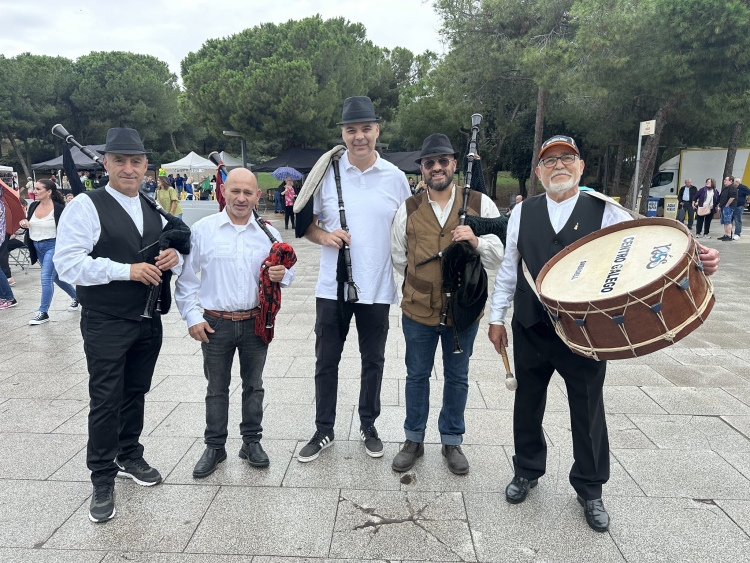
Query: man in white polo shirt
[372,190]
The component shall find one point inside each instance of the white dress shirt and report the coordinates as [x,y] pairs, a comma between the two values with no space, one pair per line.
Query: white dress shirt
[371,199]
[228,258]
[490,247]
[559,213]
[78,233]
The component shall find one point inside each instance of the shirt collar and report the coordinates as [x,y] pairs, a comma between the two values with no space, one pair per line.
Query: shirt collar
[569,201]
[450,201]
[378,165]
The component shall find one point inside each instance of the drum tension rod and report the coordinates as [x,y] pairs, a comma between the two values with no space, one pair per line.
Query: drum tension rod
[684,284]
[619,319]
[656,308]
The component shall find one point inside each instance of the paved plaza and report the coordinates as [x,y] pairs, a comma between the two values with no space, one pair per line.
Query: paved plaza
[679,424]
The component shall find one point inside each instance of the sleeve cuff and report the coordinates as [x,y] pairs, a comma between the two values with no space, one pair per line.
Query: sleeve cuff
[119,272]
[501,323]
[194,317]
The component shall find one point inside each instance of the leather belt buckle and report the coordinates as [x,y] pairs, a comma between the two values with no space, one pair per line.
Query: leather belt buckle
[239,316]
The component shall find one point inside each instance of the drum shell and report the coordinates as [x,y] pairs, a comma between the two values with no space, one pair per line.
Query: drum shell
[641,324]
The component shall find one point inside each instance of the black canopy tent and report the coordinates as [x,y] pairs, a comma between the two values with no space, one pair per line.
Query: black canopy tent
[82,161]
[300,159]
[404,161]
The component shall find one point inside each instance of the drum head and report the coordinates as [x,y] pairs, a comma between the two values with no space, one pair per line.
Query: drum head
[615,263]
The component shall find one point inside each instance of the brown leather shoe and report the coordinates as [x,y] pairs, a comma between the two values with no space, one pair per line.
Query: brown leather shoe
[407,457]
[457,462]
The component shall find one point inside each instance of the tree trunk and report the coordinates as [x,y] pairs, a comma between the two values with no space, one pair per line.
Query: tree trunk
[174,144]
[26,169]
[541,102]
[734,141]
[495,155]
[648,160]
[619,159]
[522,188]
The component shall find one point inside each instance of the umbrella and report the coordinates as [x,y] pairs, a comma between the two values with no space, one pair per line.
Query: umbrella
[13,209]
[284,171]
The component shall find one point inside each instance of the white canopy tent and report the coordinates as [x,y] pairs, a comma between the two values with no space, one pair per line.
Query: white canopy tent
[191,163]
[10,169]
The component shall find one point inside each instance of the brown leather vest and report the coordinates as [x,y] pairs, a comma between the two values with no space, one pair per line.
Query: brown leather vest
[423,286]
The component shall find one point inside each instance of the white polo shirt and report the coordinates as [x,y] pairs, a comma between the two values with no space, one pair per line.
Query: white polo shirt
[371,199]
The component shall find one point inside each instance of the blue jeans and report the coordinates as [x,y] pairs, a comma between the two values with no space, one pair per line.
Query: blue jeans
[45,250]
[738,219]
[278,207]
[421,343]
[5,291]
[217,367]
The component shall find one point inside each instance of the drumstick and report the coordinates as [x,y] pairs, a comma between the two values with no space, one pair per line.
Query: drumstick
[510,380]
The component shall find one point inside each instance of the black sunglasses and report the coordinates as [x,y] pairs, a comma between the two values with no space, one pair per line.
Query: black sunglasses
[443,162]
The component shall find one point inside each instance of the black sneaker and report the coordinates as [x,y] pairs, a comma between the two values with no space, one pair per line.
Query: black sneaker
[373,444]
[39,319]
[74,306]
[139,471]
[102,506]
[317,443]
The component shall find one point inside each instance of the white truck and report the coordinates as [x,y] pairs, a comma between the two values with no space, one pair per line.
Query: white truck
[697,164]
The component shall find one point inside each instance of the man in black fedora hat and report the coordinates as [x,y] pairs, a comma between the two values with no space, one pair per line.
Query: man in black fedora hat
[416,236]
[371,189]
[106,247]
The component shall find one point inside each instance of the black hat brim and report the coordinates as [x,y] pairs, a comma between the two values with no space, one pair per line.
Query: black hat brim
[440,150]
[359,120]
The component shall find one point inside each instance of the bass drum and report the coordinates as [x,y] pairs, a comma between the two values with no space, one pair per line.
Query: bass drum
[627,290]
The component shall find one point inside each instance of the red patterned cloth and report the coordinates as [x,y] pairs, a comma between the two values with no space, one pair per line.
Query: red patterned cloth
[270,292]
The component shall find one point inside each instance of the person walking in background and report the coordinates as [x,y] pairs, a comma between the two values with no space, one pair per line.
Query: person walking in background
[742,192]
[278,200]
[41,222]
[289,195]
[727,204]
[705,203]
[179,184]
[685,197]
[7,299]
[167,197]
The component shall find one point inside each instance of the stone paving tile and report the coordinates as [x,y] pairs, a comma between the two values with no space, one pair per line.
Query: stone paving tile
[739,423]
[702,376]
[399,525]
[739,460]
[154,413]
[639,376]
[235,471]
[345,465]
[183,389]
[622,432]
[50,503]
[701,474]
[280,390]
[650,530]
[161,518]
[686,432]
[737,510]
[163,453]
[297,422]
[52,363]
[282,521]
[39,385]
[19,555]
[497,396]
[390,425]
[691,400]
[136,557]
[36,456]
[36,415]
[189,419]
[626,400]
[741,393]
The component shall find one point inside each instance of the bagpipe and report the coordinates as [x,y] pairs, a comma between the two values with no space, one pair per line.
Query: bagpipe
[175,234]
[269,292]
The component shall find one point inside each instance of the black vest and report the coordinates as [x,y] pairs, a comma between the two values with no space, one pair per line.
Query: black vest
[121,242]
[538,242]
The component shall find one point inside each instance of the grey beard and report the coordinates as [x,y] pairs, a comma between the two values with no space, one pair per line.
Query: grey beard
[562,188]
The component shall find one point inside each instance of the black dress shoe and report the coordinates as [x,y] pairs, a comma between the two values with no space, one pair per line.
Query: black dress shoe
[254,454]
[596,515]
[208,462]
[518,488]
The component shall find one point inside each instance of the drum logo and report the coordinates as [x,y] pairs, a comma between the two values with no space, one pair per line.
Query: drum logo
[578,271]
[617,264]
[659,255]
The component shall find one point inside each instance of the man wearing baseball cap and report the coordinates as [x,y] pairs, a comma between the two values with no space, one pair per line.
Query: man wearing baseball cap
[538,229]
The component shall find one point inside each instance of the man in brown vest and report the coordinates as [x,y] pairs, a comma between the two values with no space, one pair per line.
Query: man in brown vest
[425,225]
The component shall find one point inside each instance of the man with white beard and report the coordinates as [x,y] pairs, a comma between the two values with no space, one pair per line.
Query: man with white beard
[538,229]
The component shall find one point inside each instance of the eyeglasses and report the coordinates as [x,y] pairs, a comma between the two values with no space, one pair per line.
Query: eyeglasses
[443,162]
[551,161]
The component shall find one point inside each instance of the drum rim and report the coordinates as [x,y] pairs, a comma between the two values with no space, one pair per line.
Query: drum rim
[640,222]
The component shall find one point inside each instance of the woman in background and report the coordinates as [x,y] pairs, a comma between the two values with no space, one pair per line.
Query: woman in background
[705,202]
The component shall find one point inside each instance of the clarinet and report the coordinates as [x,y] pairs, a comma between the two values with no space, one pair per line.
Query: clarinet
[153,303]
[351,287]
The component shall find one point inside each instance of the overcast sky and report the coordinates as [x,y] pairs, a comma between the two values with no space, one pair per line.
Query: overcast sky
[169,29]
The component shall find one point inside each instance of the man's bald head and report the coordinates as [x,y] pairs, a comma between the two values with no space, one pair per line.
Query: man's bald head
[242,194]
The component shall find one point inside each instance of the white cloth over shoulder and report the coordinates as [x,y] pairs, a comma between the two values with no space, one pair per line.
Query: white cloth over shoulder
[78,233]
[559,213]
[371,199]
[228,258]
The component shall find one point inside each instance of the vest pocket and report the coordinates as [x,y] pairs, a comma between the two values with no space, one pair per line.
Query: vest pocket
[417,296]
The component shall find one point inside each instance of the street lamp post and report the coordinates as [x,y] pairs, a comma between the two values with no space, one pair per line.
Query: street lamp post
[243,145]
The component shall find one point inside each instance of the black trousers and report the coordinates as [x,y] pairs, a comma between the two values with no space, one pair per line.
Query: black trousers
[4,251]
[372,328]
[538,353]
[121,356]
[288,214]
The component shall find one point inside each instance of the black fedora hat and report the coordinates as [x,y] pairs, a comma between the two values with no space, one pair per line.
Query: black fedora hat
[436,144]
[358,109]
[123,140]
